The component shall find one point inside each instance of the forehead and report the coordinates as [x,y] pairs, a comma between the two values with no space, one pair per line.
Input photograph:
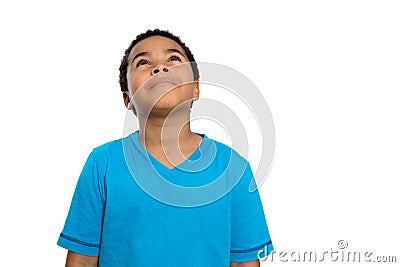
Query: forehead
[155,44]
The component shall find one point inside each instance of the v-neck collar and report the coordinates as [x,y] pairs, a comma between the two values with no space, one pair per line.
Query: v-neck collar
[162,169]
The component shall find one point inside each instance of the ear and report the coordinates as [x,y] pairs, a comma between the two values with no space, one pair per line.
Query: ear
[196,91]
[127,100]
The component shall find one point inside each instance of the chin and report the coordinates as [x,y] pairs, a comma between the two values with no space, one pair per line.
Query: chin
[167,108]
[170,103]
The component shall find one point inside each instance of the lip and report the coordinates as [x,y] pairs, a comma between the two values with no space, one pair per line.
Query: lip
[162,82]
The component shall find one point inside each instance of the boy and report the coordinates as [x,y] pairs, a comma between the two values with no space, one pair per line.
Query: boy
[164,195]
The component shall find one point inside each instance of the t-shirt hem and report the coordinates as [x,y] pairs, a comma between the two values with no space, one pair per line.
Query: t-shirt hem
[254,253]
[78,246]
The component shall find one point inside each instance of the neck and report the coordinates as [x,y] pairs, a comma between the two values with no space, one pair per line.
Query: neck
[163,132]
[168,138]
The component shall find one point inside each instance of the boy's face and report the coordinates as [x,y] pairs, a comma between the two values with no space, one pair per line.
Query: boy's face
[160,77]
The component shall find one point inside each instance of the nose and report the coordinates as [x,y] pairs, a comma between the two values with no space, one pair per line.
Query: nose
[157,69]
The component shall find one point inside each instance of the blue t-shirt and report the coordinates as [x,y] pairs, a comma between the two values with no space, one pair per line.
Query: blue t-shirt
[130,210]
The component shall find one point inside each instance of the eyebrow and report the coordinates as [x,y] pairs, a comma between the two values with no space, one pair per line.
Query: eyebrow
[173,50]
[139,55]
[168,51]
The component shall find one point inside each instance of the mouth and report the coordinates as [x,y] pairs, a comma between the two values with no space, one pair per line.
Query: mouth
[162,82]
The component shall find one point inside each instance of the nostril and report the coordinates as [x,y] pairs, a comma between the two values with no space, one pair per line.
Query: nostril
[156,71]
[165,70]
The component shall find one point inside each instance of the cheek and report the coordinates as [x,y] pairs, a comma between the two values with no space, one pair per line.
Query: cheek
[136,79]
[184,72]
[184,92]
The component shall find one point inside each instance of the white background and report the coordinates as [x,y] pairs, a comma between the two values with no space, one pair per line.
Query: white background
[329,71]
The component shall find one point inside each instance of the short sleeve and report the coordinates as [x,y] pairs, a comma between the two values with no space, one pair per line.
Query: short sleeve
[82,229]
[250,239]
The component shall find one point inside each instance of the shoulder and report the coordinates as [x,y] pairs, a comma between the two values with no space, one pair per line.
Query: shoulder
[107,156]
[108,147]
[107,150]
[228,158]
[227,151]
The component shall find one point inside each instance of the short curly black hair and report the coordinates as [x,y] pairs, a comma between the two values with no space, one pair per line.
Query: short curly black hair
[123,68]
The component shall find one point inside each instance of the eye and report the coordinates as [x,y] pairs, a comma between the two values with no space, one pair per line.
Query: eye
[142,62]
[175,58]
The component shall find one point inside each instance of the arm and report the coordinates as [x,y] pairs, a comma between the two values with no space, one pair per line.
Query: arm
[81,235]
[255,263]
[250,238]
[79,260]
